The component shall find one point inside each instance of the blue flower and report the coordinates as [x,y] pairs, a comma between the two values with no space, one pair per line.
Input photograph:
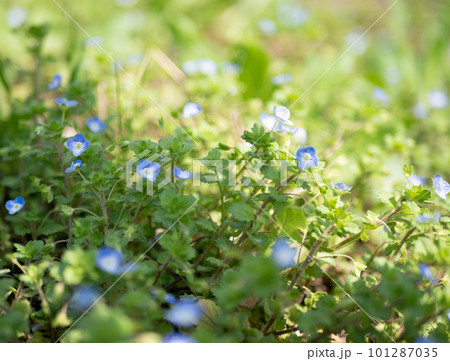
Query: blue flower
[177,337]
[268,121]
[341,187]
[14,206]
[426,272]
[283,255]
[84,297]
[420,110]
[307,158]
[78,144]
[278,124]
[205,66]
[148,170]
[422,339]
[438,99]
[291,15]
[169,298]
[63,102]
[73,166]
[441,186]
[267,26]
[56,82]
[380,95]
[191,110]
[299,135]
[282,128]
[16,16]
[185,313]
[427,218]
[231,68]
[416,180]
[282,114]
[281,79]
[109,260]
[182,173]
[95,124]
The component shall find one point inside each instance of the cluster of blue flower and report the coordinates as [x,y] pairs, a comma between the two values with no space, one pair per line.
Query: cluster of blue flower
[150,170]
[437,99]
[183,313]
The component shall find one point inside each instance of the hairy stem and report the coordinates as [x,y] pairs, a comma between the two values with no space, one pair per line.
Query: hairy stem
[404,240]
[250,225]
[104,212]
[302,267]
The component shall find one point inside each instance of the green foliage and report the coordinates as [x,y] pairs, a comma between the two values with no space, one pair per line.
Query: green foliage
[365,266]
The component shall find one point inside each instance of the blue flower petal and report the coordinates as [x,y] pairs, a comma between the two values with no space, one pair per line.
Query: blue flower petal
[420,111]
[438,99]
[281,79]
[56,82]
[416,180]
[299,135]
[441,186]
[177,337]
[427,218]
[170,298]
[148,170]
[77,145]
[60,101]
[341,187]
[426,272]
[66,103]
[283,255]
[95,124]
[71,103]
[185,313]
[109,260]
[282,114]
[268,121]
[182,173]
[14,206]
[191,110]
[281,128]
[20,200]
[84,297]
[307,158]
[73,166]
[380,95]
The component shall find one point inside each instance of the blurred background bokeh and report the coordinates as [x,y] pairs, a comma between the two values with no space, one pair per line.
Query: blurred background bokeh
[383,104]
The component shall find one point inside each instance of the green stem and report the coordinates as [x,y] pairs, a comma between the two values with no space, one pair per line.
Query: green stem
[118,103]
[105,213]
[404,239]
[250,225]
[302,267]
[222,198]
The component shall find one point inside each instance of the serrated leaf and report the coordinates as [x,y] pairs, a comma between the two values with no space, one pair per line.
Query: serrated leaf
[242,211]
[292,219]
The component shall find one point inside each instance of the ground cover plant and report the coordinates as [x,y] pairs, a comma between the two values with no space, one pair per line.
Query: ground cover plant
[252,171]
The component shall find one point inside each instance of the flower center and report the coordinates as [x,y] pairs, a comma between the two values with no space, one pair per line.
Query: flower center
[149,172]
[109,263]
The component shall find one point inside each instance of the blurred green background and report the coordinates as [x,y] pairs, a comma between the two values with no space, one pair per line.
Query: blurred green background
[364,140]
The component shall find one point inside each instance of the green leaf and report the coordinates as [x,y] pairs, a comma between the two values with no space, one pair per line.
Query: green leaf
[242,211]
[291,219]
[51,228]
